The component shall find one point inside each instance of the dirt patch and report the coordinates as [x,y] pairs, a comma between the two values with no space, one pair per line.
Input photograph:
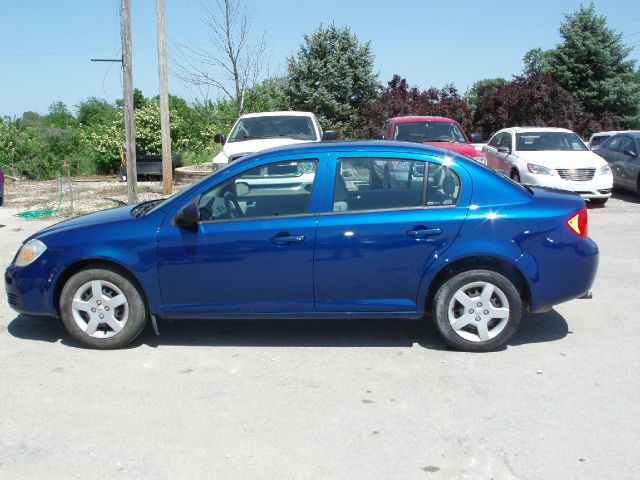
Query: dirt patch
[90,194]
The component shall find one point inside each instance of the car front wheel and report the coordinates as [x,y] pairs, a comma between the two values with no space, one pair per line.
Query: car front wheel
[477,310]
[102,309]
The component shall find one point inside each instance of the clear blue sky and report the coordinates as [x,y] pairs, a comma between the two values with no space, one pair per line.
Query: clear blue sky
[46,45]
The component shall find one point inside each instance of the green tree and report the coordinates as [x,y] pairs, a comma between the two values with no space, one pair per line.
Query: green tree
[472,94]
[536,61]
[267,96]
[591,63]
[332,75]
[95,111]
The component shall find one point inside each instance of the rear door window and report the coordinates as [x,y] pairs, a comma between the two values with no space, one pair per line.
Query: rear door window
[363,184]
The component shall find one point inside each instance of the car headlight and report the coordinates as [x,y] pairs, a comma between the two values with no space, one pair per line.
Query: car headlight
[539,169]
[29,252]
[605,170]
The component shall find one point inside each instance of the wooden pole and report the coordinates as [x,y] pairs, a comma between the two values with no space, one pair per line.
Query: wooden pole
[129,118]
[167,173]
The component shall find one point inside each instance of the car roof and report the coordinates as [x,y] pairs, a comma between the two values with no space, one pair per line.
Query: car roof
[421,118]
[633,133]
[607,133]
[363,146]
[278,114]
[537,129]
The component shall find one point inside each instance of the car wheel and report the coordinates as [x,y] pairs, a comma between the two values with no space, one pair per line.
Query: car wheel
[515,176]
[102,309]
[598,201]
[477,310]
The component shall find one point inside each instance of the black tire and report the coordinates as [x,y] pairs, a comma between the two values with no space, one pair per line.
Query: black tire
[598,201]
[471,341]
[110,282]
[515,176]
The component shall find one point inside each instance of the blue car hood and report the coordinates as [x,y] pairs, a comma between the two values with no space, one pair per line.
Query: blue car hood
[98,218]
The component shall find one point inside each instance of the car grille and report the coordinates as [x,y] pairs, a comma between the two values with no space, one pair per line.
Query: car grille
[13,299]
[576,174]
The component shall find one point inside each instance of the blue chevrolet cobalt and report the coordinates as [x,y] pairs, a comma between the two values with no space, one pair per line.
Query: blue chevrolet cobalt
[325,231]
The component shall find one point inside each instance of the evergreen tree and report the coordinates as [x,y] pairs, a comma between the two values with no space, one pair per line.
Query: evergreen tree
[332,76]
[591,63]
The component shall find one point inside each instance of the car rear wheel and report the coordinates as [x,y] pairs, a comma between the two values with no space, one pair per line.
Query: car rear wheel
[101,308]
[477,310]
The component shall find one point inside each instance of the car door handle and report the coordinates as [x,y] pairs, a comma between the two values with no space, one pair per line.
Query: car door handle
[421,232]
[286,239]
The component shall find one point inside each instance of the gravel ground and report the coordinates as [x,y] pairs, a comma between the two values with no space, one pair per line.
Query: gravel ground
[89,194]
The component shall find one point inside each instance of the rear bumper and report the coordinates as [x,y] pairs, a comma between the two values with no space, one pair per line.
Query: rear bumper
[559,268]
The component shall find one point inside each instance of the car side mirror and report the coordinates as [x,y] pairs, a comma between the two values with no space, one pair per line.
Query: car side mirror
[329,135]
[505,150]
[242,189]
[476,137]
[378,136]
[220,138]
[189,215]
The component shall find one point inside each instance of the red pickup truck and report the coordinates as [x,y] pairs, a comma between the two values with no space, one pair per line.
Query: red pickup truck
[437,131]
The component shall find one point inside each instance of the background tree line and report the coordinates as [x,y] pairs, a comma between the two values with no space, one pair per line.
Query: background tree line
[585,83]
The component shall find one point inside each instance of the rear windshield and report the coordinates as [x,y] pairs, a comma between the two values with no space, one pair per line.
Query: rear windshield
[544,141]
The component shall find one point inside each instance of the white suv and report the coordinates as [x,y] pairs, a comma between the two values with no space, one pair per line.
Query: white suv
[552,157]
[258,131]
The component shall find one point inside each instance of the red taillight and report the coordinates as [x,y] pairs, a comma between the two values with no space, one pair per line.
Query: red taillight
[579,222]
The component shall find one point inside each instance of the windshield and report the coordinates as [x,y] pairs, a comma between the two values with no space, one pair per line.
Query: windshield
[273,126]
[429,132]
[543,141]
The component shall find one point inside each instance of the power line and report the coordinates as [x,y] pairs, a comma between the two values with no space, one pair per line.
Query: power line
[51,54]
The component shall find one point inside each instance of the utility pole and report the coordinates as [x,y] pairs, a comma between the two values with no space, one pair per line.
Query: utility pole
[129,118]
[167,174]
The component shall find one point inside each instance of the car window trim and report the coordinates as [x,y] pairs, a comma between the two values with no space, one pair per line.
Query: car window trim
[267,217]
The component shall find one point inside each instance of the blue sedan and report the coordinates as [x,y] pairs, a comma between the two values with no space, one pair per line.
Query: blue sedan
[331,231]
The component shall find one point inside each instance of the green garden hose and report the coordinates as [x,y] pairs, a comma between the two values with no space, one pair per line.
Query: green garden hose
[42,213]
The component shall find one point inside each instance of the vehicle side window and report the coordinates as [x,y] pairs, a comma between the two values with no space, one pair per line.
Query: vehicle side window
[272,190]
[612,144]
[504,140]
[494,141]
[507,141]
[626,144]
[377,184]
[443,186]
[387,184]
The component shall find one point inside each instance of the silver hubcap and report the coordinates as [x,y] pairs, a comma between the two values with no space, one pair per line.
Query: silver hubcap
[479,311]
[100,309]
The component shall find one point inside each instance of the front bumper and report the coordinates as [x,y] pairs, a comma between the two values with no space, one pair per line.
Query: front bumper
[598,187]
[29,289]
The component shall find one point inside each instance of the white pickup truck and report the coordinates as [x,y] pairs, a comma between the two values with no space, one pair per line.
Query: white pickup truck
[258,131]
